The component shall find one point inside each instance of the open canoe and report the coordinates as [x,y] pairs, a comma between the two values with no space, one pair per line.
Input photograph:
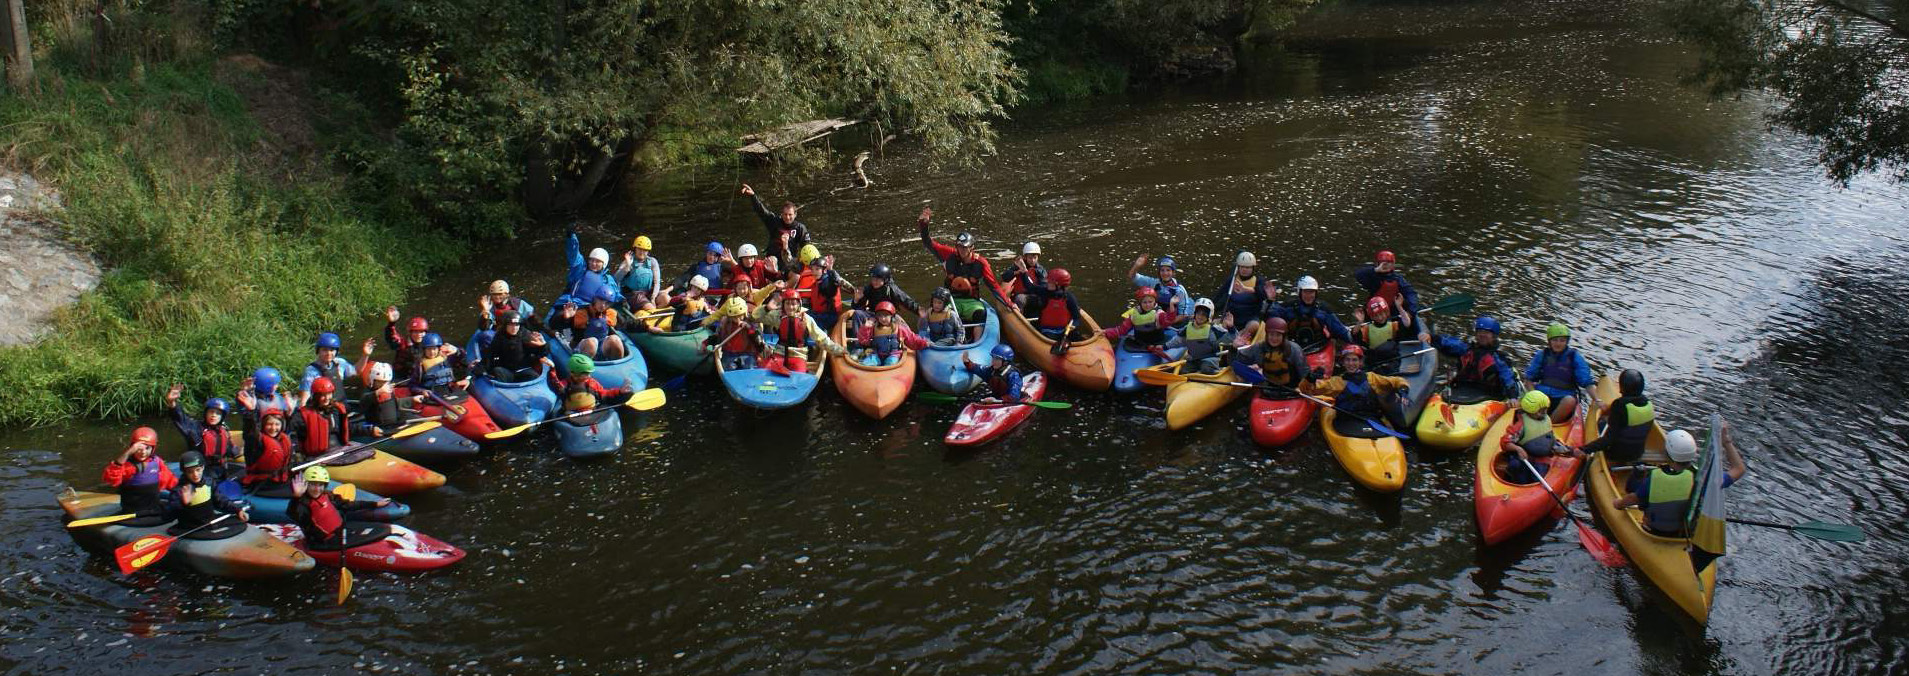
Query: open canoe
[1087,364]
[1664,560]
[876,391]
[767,390]
[941,364]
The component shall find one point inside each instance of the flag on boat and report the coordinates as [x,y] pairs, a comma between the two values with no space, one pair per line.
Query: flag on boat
[1706,518]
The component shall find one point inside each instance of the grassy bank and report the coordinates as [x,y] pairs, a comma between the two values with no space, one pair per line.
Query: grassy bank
[223,251]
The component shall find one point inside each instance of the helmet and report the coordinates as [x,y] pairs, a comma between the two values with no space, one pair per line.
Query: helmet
[1203,303]
[380,371]
[598,254]
[1376,307]
[714,247]
[942,293]
[581,400]
[1385,256]
[265,379]
[500,286]
[1245,260]
[317,474]
[1485,324]
[808,253]
[191,459]
[1166,262]
[642,242]
[581,365]
[608,295]
[432,340]
[510,317]
[1003,352]
[1535,402]
[218,404]
[791,294]
[699,283]
[1352,350]
[420,324]
[323,386]
[964,239]
[1030,248]
[1630,383]
[1557,330]
[273,412]
[881,270]
[1275,324]
[1680,446]
[328,340]
[734,307]
[747,250]
[885,307]
[146,435]
[1307,283]
[1144,292]
[1060,276]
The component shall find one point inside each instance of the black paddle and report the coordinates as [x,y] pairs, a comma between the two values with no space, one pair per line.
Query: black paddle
[676,383]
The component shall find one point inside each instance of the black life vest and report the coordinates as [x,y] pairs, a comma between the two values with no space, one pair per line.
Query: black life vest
[1478,367]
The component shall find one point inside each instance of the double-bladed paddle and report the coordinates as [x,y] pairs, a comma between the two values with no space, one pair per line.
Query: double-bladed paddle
[649,399]
[939,398]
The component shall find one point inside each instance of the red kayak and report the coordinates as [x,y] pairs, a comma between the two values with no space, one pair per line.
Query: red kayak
[1277,422]
[470,421]
[401,551]
[982,422]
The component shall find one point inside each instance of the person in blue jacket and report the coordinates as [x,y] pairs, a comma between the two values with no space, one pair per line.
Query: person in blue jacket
[587,274]
[1559,371]
[1382,279]
[327,365]
[1166,287]
[1308,321]
[710,268]
[1480,365]
[1003,380]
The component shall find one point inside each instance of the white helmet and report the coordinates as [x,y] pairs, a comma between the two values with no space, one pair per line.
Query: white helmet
[1245,260]
[1307,283]
[1030,248]
[500,286]
[1680,446]
[598,254]
[380,371]
[699,283]
[1203,303]
[746,251]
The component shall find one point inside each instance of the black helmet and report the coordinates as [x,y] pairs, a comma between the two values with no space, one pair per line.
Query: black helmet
[943,294]
[881,271]
[191,459]
[1630,383]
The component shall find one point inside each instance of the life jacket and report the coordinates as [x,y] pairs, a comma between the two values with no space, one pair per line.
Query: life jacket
[434,373]
[1536,435]
[139,493]
[384,410]
[407,359]
[1389,290]
[1169,294]
[886,340]
[275,455]
[711,272]
[324,517]
[999,381]
[964,278]
[1196,333]
[792,333]
[942,324]
[582,321]
[1669,500]
[197,507]
[1478,367]
[1035,275]
[320,424]
[1146,325]
[757,272]
[739,342]
[1304,326]
[1637,420]
[1273,364]
[808,284]
[1358,396]
[1055,315]
[331,371]
[1379,333]
[1559,370]
[1242,304]
[215,443]
[693,308]
[642,275]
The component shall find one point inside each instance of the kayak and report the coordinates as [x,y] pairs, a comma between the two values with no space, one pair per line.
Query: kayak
[982,422]
[1471,412]
[674,351]
[1130,357]
[1419,372]
[267,509]
[1087,364]
[401,550]
[385,474]
[768,390]
[222,550]
[1278,419]
[590,436]
[1375,460]
[437,444]
[468,419]
[1200,396]
[941,364]
[1505,508]
[630,369]
[876,391]
[513,404]
[1665,560]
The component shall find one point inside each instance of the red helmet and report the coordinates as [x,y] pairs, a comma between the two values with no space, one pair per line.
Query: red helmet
[1275,324]
[1385,256]
[1376,307]
[1145,292]
[324,386]
[420,324]
[274,412]
[1352,350]
[1060,276]
[885,306]
[791,294]
[146,435]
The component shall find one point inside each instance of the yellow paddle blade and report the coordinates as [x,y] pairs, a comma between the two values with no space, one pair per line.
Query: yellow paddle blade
[1152,377]
[77,523]
[647,399]
[417,429]
[344,581]
[509,432]
[346,491]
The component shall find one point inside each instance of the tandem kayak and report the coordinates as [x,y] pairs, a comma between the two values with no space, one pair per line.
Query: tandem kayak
[386,547]
[270,507]
[941,364]
[1457,418]
[384,473]
[594,435]
[1278,419]
[1664,560]
[230,548]
[767,390]
[1087,364]
[981,422]
[1505,508]
[1200,396]
[629,370]
[1130,356]
[876,391]
[674,351]
[513,404]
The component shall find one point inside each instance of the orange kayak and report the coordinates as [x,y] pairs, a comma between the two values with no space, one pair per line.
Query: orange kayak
[876,391]
[1087,364]
[1505,508]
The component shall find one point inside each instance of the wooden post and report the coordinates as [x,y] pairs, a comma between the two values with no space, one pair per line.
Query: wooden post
[19,49]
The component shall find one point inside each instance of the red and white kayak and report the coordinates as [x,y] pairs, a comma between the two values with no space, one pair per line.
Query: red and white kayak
[402,551]
[468,419]
[982,422]
[1278,421]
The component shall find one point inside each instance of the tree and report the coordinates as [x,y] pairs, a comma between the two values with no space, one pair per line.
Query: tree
[1837,69]
[19,47]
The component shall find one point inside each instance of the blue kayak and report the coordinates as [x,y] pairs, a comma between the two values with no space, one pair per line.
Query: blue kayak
[941,364]
[590,436]
[768,390]
[631,370]
[513,404]
[1130,356]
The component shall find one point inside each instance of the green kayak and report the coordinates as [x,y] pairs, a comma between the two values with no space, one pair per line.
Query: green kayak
[675,351]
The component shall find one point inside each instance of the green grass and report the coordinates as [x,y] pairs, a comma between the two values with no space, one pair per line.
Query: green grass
[218,260]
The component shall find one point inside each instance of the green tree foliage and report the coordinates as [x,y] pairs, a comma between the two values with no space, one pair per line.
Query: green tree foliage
[1077,48]
[1836,67]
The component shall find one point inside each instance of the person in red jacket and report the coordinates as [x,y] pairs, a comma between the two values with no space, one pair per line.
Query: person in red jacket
[406,345]
[268,452]
[141,477]
[321,423]
[322,515]
[965,269]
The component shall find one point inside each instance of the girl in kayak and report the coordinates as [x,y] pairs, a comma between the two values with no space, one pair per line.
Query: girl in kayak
[1204,339]
[1148,323]
[327,365]
[1379,331]
[512,355]
[966,272]
[793,332]
[1308,321]
[1244,294]
[141,476]
[1362,393]
[735,336]
[1273,360]
[1058,309]
[885,338]
[1381,279]
[1004,381]
[580,368]
[1172,295]
[268,451]
[586,274]
[436,370]
[1559,371]
[1028,274]
[404,344]
[940,325]
[207,436]
[1628,421]
[324,517]
[493,305]
[321,424]
[692,307]
[639,272]
[196,502]
[1480,365]
[384,412]
[1532,438]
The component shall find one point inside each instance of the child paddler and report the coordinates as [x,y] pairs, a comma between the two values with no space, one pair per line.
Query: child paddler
[141,477]
[1532,438]
[1480,365]
[820,286]
[692,306]
[1027,274]
[595,328]
[1628,421]
[939,324]
[966,272]
[326,364]
[322,423]
[1059,310]
[325,518]
[1558,371]
[497,301]
[639,272]
[746,264]
[1380,331]
[1205,339]
[580,368]
[1147,322]
[268,449]
[884,338]
[1361,392]
[793,332]
[436,371]
[735,335]
[1381,279]
[208,436]
[1273,360]
[1167,286]
[196,501]
[1004,381]
[586,274]
[404,344]
[880,289]
[384,411]
[512,355]
[1244,293]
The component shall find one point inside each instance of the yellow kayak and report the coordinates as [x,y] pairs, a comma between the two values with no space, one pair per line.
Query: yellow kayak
[1376,461]
[1194,400]
[1664,560]
[1471,413]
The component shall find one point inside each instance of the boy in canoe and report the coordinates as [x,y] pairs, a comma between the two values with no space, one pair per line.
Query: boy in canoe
[967,272]
[1004,381]
[692,307]
[141,476]
[1480,365]
[1028,274]
[1559,371]
[734,335]
[268,449]
[1205,339]
[1664,492]
[1361,392]
[1532,438]
[794,331]
[586,274]
[207,436]
[1381,279]
[1059,312]
[1627,422]
[594,328]
[1273,361]
[786,235]
[1244,294]
[327,365]
[261,391]
[639,272]
[1147,322]
[885,338]
[940,325]
[1308,321]
[1167,287]
[497,301]
[196,501]
[322,423]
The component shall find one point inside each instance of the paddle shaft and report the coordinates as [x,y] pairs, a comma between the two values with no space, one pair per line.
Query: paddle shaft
[677,381]
[1590,538]
[1331,405]
[159,551]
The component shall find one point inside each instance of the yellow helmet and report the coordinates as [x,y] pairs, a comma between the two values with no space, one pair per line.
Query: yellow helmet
[734,307]
[1535,402]
[642,242]
[317,474]
[808,253]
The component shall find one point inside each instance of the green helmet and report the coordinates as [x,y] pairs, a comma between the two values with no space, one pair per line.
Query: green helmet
[1557,330]
[582,365]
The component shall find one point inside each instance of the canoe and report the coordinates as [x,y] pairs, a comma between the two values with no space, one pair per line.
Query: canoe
[1504,508]
[1472,413]
[590,436]
[245,552]
[401,551]
[386,474]
[1664,560]
[267,509]
[876,391]
[1279,419]
[513,404]
[1087,364]
[630,369]
[1130,357]
[941,364]
[1200,396]
[469,419]
[674,351]
[768,390]
[981,423]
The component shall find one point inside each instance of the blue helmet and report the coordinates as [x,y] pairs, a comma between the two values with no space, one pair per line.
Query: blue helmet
[715,248]
[1485,324]
[265,379]
[432,340]
[328,340]
[1167,262]
[1002,352]
[218,404]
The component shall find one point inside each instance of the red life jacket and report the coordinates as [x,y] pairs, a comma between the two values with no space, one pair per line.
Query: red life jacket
[739,342]
[275,454]
[812,299]
[792,332]
[1389,289]
[318,427]
[1054,314]
[325,516]
[1478,366]
[215,442]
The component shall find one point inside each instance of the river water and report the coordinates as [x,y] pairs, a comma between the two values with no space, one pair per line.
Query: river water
[1540,155]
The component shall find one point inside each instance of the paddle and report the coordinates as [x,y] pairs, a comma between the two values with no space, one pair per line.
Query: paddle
[676,383]
[939,398]
[1593,541]
[150,549]
[1152,377]
[642,401]
[76,523]
[1834,532]
[1060,344]
[411,431]
[1455,303]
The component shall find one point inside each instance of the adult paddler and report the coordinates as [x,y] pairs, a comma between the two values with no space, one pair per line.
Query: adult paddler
[1381,279]
[966,272]
[786,235]
[1308,321]
[1244,293]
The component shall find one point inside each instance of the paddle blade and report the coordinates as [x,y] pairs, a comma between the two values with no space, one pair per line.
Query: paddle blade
[80,523]
[417,429]
[1834,532]
[508,432]
[1461,302]
[346,491]
[142,552]
[676,383]
[647,400]
[344,581]
[1158,378]
[937,398]
[1056,405]
[1599,546]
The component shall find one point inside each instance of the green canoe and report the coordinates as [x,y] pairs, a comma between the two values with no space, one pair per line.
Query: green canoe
[675,351]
